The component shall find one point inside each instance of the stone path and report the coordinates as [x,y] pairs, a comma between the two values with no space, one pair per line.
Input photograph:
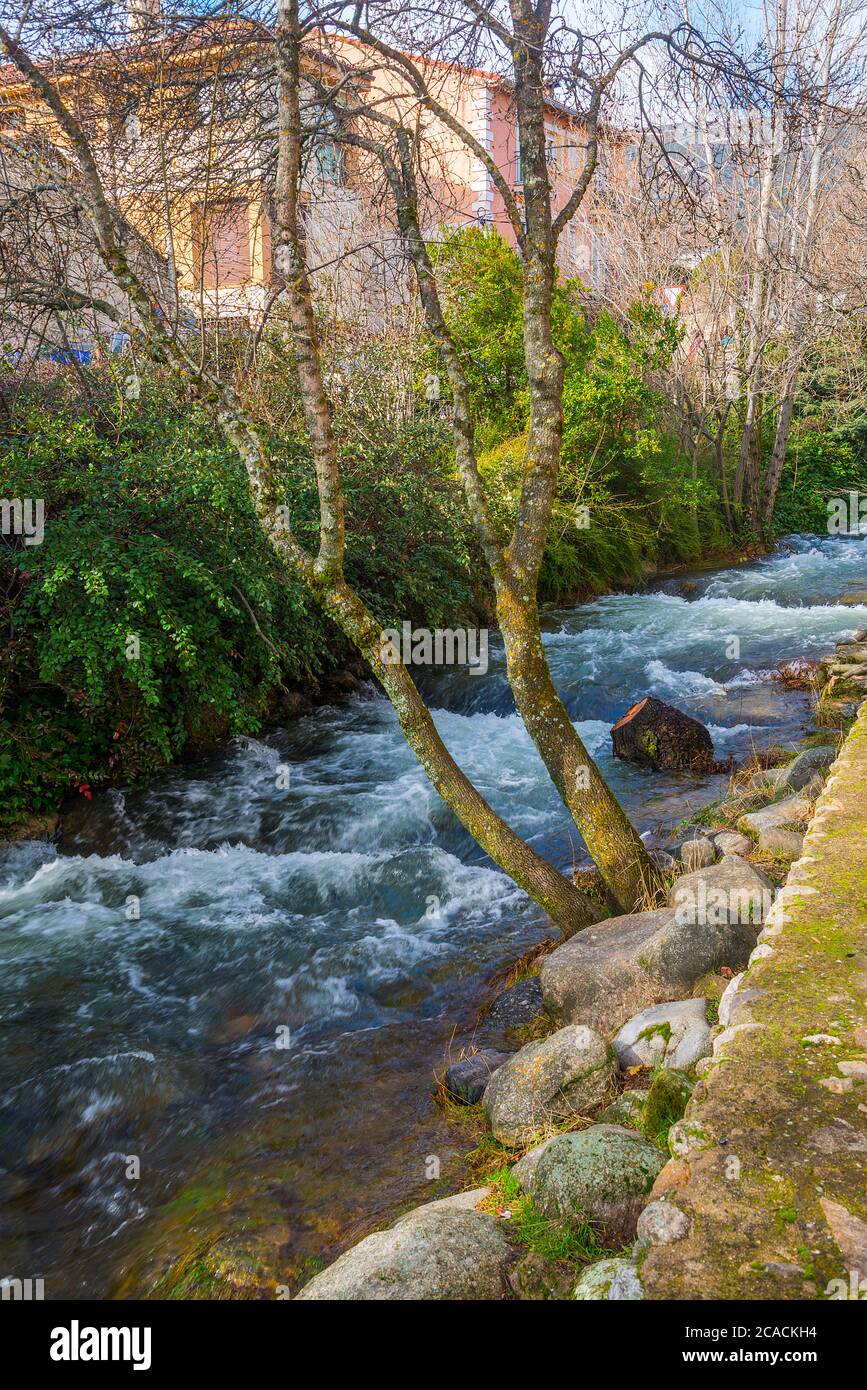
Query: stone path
[773,1173]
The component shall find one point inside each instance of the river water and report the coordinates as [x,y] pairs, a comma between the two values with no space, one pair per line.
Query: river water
[246,985]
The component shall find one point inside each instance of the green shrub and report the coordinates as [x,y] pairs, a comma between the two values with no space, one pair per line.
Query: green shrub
[154,614]
[643,503]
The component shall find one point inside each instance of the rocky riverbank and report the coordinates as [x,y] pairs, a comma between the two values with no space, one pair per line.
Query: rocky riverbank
[592,1122]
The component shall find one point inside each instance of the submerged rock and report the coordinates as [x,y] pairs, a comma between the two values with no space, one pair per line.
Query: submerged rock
[518,1005]
[601,1175]
[612,970]
[547,1082]
[675,1034]
[654,734]
[467,1079]
[432,1253]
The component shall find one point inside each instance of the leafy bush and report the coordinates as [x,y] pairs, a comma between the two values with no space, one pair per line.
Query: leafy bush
[643,504]
[154,614]
[821,463]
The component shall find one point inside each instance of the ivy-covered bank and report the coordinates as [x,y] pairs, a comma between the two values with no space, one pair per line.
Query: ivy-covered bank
[153,617]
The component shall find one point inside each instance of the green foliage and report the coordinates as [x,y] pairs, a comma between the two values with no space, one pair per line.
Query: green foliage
[553,1240]
[154,615]
[820,464]
[642,502]
[482,294]
[827,454]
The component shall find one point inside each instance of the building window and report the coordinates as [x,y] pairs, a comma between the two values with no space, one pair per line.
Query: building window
[327,151]
[224,245]
[329,161]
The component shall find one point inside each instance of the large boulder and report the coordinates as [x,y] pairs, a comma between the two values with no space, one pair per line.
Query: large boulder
[561,1077]
[601,1175]
[522,1171]
[432,1253]
[675,1034]
[730,893]
[654,734]
[812,762]
[457,1201]
[612,970]
[792,810]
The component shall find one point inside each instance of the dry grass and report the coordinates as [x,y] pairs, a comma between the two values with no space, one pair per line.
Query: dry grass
[526,964]
[799,674]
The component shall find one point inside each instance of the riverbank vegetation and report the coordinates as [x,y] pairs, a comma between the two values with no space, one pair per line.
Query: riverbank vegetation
[152,536]
[567,430]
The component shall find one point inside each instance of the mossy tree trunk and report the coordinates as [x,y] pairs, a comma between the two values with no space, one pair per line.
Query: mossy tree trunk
[612,841]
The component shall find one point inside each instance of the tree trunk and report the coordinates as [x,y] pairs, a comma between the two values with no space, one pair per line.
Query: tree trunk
[778,455]
[612,841]
[614,844]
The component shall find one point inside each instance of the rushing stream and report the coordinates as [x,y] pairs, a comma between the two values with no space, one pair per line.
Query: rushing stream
[302,952]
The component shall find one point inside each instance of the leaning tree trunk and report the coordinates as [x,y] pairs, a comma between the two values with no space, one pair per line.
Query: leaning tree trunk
[612,841]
